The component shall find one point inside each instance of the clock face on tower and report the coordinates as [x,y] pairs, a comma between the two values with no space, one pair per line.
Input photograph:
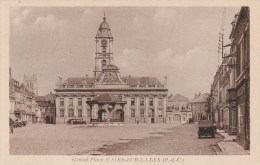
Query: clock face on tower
[104,42]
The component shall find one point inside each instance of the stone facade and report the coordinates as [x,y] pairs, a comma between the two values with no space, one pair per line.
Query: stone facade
[229,101]
[178,109]
[22,101]
[198,107]
[145,97]
[240,38]
[47,108]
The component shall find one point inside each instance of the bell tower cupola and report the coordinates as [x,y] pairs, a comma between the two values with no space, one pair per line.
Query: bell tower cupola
[104,47]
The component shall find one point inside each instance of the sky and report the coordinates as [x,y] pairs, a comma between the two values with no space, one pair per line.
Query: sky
[180,43]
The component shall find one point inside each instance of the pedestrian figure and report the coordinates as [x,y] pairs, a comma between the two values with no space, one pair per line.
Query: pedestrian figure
[11,129]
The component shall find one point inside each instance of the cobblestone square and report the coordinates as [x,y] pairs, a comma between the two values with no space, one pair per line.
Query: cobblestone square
[129,139]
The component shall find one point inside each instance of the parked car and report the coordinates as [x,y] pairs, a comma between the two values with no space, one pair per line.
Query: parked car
[206,127]
[17,123]
[24,123]
[76,121]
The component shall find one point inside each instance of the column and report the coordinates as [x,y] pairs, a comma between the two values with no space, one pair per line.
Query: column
[57,104]
[84,107]
[146,108]
[75,106]
[128,104]
[66,102]
[137,105]
[164,107]
[156,117]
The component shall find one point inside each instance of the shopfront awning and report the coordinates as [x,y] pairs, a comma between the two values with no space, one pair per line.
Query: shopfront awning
[12,117]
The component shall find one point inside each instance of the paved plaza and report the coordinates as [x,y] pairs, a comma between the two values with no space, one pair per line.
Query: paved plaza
[129,139]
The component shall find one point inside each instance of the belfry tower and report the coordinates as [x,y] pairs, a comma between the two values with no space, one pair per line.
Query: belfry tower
[104,47]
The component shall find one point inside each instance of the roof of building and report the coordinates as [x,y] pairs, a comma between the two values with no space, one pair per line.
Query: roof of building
[200,98]
[104,29]
[178,98]
[106,97]
[79,80]
[141,80]
[48,97]
[104,24]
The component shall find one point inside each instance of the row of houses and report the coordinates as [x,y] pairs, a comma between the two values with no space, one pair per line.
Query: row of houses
[23,106]
[229,100]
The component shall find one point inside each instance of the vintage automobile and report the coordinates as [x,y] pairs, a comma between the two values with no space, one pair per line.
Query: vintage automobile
[76,121]
[206,127]
[24,123]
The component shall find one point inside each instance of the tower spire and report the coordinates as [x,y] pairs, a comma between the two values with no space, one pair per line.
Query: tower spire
[104,16]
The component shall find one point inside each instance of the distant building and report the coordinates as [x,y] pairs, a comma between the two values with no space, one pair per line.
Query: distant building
[22,101]
[178,109]
[31,83]
[108,97]
[198,107]
[47,108]
[229,100]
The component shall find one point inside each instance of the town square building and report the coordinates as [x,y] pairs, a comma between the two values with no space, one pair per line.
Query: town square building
[47,108]
[107,96]
[198,107]
[178,109]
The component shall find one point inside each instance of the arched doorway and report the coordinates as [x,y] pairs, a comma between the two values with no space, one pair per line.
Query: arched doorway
[102,115]
[48,120]
[119,115]
[177,118]
[151,115]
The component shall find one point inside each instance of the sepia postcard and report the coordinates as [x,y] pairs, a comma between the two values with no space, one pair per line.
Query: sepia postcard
[130,82]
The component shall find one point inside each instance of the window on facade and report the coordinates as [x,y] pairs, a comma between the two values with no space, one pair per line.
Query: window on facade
[183,107]
[80,113]
[141,101]
[71,113]
[246,40]
[160,112]
[176,107]
[238,65]
[70,101]
[132,113]
[79,101]
[132,101]
[220,97]
[88,112]
[88,99]
[141,112]
[150,101]
[104,50]
[103,62]
[151,113]
[160,102]
[242,53]
[61,112]
[61,101]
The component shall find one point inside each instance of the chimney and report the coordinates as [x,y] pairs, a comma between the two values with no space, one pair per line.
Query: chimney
[165,81]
